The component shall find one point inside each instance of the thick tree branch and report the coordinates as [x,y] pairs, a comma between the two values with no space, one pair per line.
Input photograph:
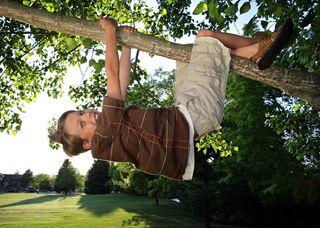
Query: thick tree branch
[296,83]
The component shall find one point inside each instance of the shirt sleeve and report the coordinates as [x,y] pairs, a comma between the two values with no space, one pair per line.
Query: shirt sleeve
[111,118]
[108,126]
[112,110]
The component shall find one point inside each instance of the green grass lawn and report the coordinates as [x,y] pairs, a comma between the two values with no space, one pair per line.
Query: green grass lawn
[111,210]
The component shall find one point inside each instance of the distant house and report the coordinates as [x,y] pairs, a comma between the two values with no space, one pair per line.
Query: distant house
[9,182]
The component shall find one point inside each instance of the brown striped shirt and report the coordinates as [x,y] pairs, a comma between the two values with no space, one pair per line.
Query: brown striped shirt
[155,140]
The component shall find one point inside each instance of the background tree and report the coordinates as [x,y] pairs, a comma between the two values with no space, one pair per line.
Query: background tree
[160,187]
[138,182]
[260,180]
[119,175]
[43,182]
[67,179]
[26,178]
[98,179]
[196,195]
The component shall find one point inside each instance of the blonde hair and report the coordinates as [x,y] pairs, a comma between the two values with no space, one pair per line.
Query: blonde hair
[72,144]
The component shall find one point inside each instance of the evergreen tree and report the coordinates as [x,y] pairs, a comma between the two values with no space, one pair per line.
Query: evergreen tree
[26,178]
[67,179]
[98,179]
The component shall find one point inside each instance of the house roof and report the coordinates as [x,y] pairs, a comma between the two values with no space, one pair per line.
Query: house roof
[11,176]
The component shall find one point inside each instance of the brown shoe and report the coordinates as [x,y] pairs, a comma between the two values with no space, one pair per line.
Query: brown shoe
[270,46]
[258,36]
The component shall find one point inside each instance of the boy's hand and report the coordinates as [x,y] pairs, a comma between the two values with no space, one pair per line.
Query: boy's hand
[129,29]
[107,23]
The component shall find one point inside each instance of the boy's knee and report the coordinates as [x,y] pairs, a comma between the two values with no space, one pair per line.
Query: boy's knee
[204,33]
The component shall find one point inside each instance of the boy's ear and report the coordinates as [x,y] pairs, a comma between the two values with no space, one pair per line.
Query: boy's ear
[86,145]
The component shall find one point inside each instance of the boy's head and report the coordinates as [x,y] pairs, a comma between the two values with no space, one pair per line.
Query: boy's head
[75,131]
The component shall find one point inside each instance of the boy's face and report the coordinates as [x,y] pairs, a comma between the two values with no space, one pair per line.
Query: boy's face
[82,124]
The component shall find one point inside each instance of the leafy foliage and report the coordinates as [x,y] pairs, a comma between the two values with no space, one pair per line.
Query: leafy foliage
[270,129]
[119,175]
[298,124]
[26,178]
[43,182]
[138,182]
[217,143]
[161,187]
[68,178]
[97,181]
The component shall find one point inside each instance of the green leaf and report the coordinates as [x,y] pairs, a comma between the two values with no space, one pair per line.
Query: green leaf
[231,10]
[163,12]
[71,43]
[205,151]
[264,24]
[83,60]
[212,9]
[87,43]
[122,19]
[92,62]
[297,107]
[200,8]
[28,100]
[279,131]
[26,3]
[99,65]
[245,7]
[299,156]
[278,11]
[49,7]
[219,19]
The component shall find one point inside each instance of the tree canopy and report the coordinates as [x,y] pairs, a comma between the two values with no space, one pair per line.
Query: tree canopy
[273,173]
[68,178]
[97,181]
[35,56]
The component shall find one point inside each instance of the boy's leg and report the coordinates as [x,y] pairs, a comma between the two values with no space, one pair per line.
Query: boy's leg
[240,46]
[201,84]
[229,40]
[259,50]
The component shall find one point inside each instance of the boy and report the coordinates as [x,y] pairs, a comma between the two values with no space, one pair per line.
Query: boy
[160,141]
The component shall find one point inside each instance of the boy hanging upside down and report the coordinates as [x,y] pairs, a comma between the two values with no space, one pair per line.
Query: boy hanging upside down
[160,140]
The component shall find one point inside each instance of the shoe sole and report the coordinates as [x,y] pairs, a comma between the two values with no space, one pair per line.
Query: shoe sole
[281,40]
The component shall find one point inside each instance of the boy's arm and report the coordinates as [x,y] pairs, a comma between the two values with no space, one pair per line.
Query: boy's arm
[125,64]
[112,58]
[125,70]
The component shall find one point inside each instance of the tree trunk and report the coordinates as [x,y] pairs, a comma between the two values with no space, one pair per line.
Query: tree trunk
[157,200]
[206,194]
[296,83]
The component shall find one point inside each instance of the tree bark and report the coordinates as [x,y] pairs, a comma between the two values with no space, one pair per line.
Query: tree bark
[293,82]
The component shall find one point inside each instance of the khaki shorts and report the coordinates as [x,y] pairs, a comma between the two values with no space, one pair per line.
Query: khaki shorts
[201,84]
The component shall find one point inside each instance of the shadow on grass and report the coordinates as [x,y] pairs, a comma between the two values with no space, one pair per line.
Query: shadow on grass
[41,199]
[143,209]
[135,221]
[100,205]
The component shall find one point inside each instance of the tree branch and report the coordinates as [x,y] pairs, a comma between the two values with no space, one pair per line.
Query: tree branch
[296,83]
